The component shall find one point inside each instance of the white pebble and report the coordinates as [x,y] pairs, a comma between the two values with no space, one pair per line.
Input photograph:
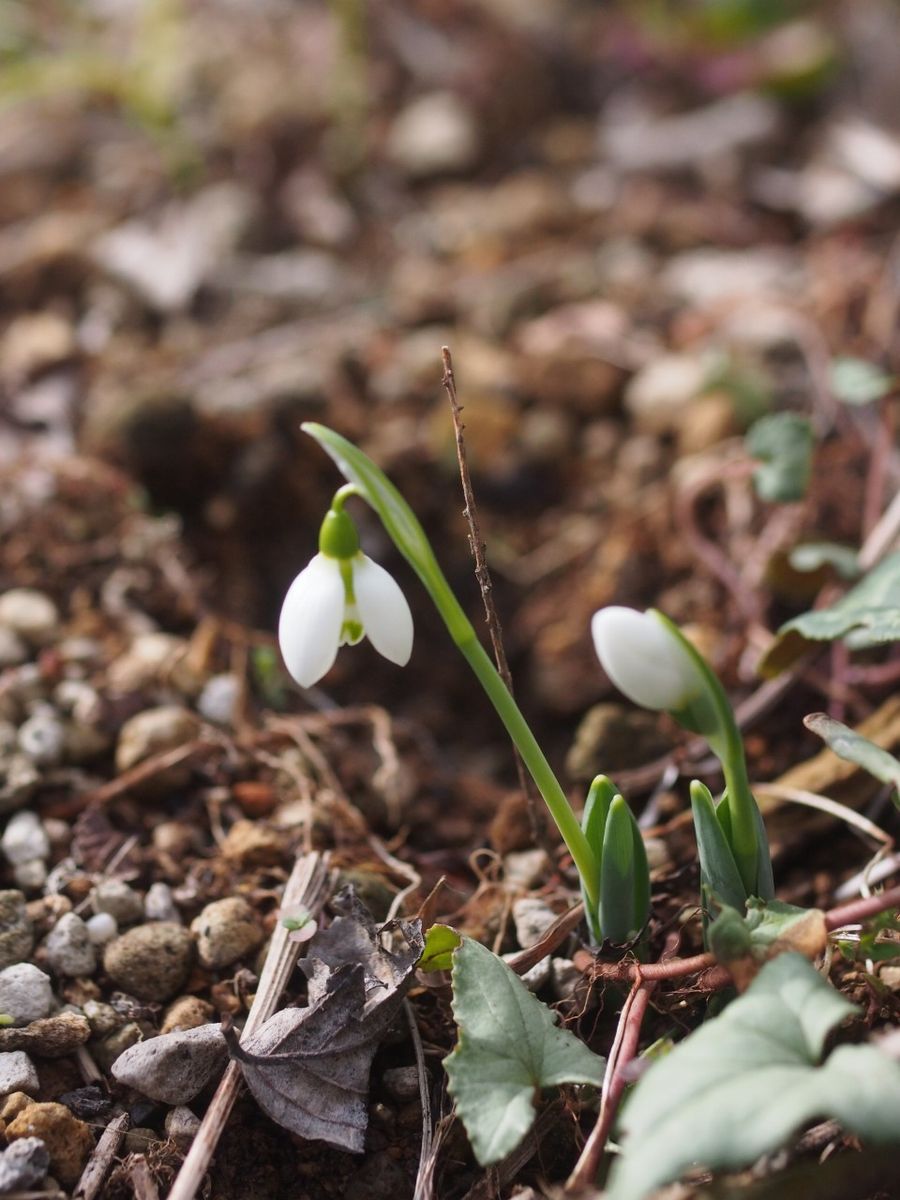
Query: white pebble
[29,613]
[17,1073]
[116,897]
[70,951]
[13,650]
[218,698]
[102,928]
[43,737]
[30,876]
[159,904]
[532,918]
[25,993]
[24,838]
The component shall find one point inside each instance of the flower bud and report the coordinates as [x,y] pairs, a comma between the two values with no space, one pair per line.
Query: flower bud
[643,659]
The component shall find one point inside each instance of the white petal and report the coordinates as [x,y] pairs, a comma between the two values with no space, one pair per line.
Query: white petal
[309,628]
[642,658]
[383,609]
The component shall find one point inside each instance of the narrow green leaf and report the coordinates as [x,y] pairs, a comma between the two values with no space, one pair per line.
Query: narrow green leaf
[618,919]
[718,870]
[509,1048]
[593,824]
[784,444]
[853,747]
[739,1086]
[857,382]
[641,876]
[440,942]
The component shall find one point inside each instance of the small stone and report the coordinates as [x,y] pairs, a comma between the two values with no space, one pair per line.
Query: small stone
[565,976]
[182,1125]
[890,977]
[658,396]
[16,929]
[102,928]
[68,1140]
[402,1083]
[13,1105]
[24,839]
[435,134]
[524,868]
[25,993]
[532,918]
[252,844]
[226,931]
[50,1037]
[117,898]
[150,961]
[102,1018]
[174,1067]
[139,1140]
[187,1012]
[159,904]
[30,614]
[70,950]
[151,658]
[153,731]
[18,779]
[30,876]
[17,1073]
[114,1044]
[535,977]
[43,737]
[217,701]
[46,911]
[23,1165]
[13,650]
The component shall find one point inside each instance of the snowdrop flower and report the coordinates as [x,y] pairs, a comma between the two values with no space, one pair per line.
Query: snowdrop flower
[643,659]
[340,597]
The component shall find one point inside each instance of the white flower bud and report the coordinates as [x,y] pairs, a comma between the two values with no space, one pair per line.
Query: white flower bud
[643,659]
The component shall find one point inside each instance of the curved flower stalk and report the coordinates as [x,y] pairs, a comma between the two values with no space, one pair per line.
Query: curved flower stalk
[649,659]
[402,525]
[340,597]
[623,874]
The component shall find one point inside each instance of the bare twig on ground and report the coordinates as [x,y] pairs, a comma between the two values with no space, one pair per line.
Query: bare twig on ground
[101,1159]
[552,939]
[307,887]
[483,575]
[427,1155]
[142,1181]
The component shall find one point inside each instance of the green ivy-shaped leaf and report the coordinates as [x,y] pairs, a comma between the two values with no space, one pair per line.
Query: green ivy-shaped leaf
[440,942]
[784,444]
[868,615]
[740,1085]
[509,1048]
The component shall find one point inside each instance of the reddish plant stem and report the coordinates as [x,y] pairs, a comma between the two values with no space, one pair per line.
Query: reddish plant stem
[624,1048]
[712,975]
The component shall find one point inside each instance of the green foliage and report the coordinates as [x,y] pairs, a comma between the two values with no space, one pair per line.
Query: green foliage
[719,875]
[812,556]
[440,942]
[866,946]
[857,382]
[784,444]
[740,1085]
[624,883]
[868,615]
[509,1048]
[852,746]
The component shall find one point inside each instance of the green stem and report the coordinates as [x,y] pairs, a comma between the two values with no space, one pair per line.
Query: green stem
[534,759]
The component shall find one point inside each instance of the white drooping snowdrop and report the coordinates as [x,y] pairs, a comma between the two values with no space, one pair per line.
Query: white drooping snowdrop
[339,598]
[643,659]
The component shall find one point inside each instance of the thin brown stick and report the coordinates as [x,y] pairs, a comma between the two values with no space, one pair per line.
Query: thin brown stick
[552,939]
[858,910]
[98,1165]
[483,575]
[142,1181]
[424,1189]
[306,887]
[624,1048]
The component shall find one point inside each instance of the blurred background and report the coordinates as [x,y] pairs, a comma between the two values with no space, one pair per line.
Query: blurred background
[637,225]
